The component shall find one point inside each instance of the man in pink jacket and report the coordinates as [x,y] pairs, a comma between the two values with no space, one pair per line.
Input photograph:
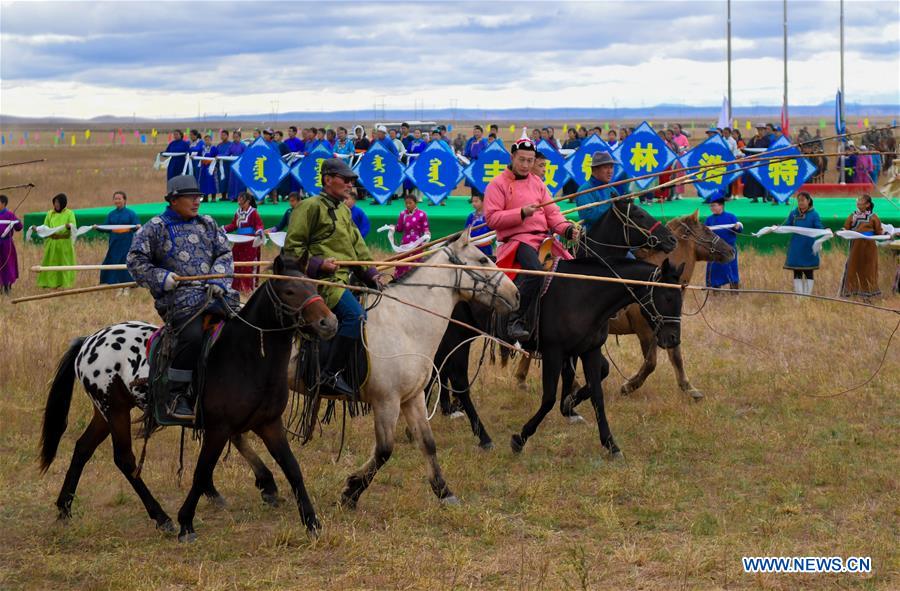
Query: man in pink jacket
[513,208]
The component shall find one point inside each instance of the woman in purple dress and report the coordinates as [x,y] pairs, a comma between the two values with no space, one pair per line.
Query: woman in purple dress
[413,222]
[9,262]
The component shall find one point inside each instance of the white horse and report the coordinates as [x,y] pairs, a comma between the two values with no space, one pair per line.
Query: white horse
[402,341]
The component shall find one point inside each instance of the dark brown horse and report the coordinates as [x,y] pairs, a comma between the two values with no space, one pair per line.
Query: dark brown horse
[111,363]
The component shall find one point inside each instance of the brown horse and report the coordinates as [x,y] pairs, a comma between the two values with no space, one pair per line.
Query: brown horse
[696,243]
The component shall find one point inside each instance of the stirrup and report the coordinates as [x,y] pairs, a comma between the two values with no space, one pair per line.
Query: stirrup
[337,384]
[185,413]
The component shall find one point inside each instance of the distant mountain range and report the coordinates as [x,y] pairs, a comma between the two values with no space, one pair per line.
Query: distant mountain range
[574,114]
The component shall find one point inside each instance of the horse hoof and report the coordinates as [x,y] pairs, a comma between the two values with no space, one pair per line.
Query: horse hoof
[187,537]
[313,527]
[576,418]
[348,503]
[522,386]
[457,414]
[625,390]
[487,445]
[451,500]
[616,455]
[517,443]
[271,499]
[695,394]
[218,501]
[166,527]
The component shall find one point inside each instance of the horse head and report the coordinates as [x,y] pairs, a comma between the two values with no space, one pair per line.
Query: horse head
[626,225]
[664,310]
[488,288]
[706,244]
[300,298]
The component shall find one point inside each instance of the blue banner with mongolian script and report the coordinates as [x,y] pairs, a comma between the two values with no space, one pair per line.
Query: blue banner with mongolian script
[578,165]
[712,181]
[492,161]
[380,172]
[436,172]
[308,171]
[555,173]
[782,177]
[643,152]
[260,168]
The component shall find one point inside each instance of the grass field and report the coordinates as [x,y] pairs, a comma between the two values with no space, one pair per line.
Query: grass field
[766,464]
[760,467]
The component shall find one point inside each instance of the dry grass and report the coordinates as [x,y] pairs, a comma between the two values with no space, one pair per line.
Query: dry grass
[757,468]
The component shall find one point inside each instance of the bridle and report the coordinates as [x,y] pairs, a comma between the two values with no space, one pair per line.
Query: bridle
[647,303]
[651,239]
[712,244]
[284,310]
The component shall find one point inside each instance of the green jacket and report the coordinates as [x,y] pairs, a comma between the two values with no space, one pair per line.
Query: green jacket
[322,228]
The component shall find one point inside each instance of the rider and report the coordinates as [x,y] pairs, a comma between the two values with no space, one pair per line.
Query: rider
[518,206]
[322,231]
[180,242]
[602,167]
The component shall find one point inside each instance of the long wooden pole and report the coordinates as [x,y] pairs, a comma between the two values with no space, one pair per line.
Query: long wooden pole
[68,292]
[123,267]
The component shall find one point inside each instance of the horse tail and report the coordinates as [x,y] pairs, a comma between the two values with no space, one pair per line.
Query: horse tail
[58,400]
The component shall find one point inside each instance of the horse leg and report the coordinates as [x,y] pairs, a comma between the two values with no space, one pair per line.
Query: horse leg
[276,442]
[552,366]
[265,481]
[569,387]
[120,428]
[214,441]
[522,372]
[93,436]
[683,382]
[386,413]
[478,429]
[416,417]
[596,368]
[650,350]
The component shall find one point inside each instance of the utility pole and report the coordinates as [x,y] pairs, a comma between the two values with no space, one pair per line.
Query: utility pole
[728,32]
[840,124]
[785,103]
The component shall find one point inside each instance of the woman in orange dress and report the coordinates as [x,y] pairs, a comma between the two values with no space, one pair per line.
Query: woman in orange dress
[861,271]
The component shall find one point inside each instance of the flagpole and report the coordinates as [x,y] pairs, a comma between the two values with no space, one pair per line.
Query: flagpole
[841,143]
[728,30]
[785,104]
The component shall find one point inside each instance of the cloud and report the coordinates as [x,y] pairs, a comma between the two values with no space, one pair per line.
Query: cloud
[501,53]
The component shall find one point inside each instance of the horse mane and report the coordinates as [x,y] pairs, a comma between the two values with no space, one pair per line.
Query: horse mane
[411,272]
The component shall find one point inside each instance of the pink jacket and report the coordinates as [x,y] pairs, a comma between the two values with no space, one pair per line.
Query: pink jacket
[504,199]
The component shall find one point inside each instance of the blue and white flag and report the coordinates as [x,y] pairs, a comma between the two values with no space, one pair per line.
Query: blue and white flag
[643,152]
[555,173]
[308,171]
[782,178]
[260,168]
[712,183]
[436,172]
[492,161]
[380,172]
[578,165]
[840,127]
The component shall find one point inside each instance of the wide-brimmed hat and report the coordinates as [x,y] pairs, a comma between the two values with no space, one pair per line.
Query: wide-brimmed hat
[602,159]
[337,167]
[182,185]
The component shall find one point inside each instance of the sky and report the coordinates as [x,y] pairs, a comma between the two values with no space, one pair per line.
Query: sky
[183,59]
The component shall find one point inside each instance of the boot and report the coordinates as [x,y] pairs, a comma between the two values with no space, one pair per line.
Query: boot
[179,407]
[798,286]
[333,372]
[518,327]
[809,286]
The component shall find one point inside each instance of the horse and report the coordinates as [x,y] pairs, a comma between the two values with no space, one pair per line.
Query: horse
[113,367]
[573,321]
[624,226]
[696,242]
[814,149]
[400,360]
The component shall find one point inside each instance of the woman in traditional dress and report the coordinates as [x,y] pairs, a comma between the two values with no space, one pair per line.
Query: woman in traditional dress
[119,240]
[59,248]
[246,222]
[861,271]
[719,274]
[801,259]
[208,185]
[235,185]
[196,148]
[413,222]
[9,260]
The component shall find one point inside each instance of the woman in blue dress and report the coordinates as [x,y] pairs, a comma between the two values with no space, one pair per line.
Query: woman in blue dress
[719,274]
[119,240]
[801,259]
[208,185]
[235,185]
[196,149]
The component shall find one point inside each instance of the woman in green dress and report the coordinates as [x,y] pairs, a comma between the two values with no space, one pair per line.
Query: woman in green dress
[59,248]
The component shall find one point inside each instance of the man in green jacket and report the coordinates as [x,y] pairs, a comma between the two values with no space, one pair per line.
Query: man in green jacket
[321,231]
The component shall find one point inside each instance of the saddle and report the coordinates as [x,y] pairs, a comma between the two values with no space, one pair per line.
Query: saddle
[160,346]
[313,357]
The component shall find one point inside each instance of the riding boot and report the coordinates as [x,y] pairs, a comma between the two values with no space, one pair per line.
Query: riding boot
[519,324]
[179,406]
[809,286]
[798,286]
[333,372]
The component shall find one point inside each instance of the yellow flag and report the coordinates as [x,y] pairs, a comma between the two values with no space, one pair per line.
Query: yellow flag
[73,139]
[154,132]
[87,134]
[578,126]
[512,129]
[749,126]
[866,122]
[735,124]
[565,127]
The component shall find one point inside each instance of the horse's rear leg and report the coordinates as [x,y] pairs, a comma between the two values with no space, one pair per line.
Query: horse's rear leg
[649,349]
[478,429]
[570,387]
[417,419]
[522,372]
[552,366]
[120,428]
[683,382]
[596,368]
[273,435]
[213,443]
[386,413]
[265,480]
[93,436]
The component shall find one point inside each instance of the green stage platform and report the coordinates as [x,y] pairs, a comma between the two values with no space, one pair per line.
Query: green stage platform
[451,217]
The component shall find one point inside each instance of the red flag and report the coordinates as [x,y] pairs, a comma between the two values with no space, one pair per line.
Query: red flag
[785,121]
